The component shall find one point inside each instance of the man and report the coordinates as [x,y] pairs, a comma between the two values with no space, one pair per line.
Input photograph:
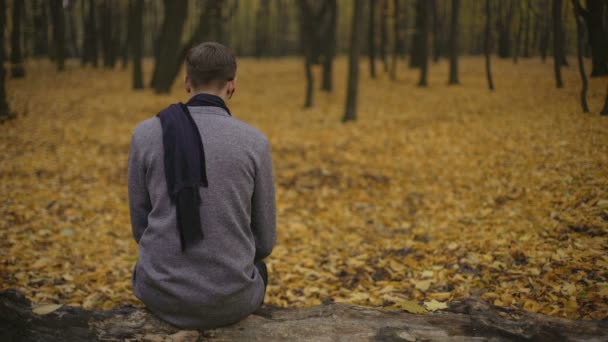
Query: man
[201,196]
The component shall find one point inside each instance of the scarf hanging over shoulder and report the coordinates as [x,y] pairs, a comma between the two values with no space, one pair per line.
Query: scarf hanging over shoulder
[184,158]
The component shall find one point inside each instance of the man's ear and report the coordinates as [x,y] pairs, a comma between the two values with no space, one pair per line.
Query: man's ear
[187,84]
[231,87]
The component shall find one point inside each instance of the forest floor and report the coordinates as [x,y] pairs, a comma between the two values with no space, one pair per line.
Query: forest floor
[434,193]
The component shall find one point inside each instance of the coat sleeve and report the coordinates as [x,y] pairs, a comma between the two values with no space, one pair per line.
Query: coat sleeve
[139,199]
[263,208]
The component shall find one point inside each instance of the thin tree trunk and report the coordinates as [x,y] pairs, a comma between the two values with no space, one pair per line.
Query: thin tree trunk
[427,8]
[107,41]
[605,109]
[58,33]
[5,112]
[371,36]
[526,52]
[520,28]
[437,29]
[329,45]
[90,53]
[580,33]
[596,18]
[419,22]
[136,9]
[546,31]
[306,42]
[384,34]
[41,41]
[397,38]
[454,40]
[557,42]
[17,69]
[350,113]
[487,45]
[262,28]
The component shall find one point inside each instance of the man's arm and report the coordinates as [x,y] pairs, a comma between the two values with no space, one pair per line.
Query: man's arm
[263,208]
[139,199]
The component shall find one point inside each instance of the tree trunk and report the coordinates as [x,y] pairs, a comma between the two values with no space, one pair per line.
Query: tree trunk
[262,28]
[597,28]
[557,42]
[41,41]
[17,69]
[371,38]
[504,29]
[329,45]
[427,8]
[350,113]
[90,53]
[417,42]
[546,31]
[136,9]
[5,112]
[469,320]
[488,45]
[169,46]
[58,33]
[605,109]
[520,28]
[107,41]
[306,43]
[384,34]
[397,38]
[526,50]
[580,36]
[454,40]
[437,30]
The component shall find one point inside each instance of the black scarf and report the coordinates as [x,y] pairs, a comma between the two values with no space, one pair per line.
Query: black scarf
[185,168]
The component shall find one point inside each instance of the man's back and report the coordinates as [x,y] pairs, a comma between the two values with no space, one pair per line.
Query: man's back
[214,281]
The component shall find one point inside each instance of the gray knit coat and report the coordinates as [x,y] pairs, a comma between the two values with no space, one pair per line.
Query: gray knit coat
[214,282]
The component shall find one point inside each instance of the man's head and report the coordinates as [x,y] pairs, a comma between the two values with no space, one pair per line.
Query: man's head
[211,68]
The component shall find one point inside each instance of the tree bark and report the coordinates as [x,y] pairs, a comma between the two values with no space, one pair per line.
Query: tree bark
[557,42]
[437,19]
[329,44]
[136,9]
[384,34]
[90,53]
[107,39]
[417,41]
[58,33]
[487,45]
[169,46]
[427,8]
[17,68]
[5,112]
[454,42]
[306,43]
[41,41]
[597,28]
[546,31]
[526,50]
[397,42]
[371,38]
[580,33]
[350,113]
[469,320]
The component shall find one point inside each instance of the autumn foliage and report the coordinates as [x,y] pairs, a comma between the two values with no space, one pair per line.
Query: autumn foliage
[434,195]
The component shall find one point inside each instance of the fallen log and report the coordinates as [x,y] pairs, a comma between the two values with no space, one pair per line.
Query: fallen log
[469,320]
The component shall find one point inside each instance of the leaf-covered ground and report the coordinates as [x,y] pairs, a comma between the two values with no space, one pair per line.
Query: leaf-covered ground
[435,193]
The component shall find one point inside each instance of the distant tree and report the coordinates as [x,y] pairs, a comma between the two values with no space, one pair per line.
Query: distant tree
[580,36]
[307,43]
[41,25]
[329,26]
[419,27]
[397,39]
[90,51]
[17,69]
[488,44]
[5,112]
[371,38]
[504,22]
[350,112]
[454,42]
[136,40]
[520,28]
[545,29]
[384,34]
[58,33]
[558,53]
[528,15]
[169,44]
[438,39]
[108,41]
[262,29]
[426,8]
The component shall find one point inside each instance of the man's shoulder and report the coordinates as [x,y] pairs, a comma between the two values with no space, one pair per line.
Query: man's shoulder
[147,129]
[251,132]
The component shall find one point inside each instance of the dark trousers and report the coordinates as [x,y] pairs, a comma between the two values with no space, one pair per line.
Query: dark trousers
[261,266]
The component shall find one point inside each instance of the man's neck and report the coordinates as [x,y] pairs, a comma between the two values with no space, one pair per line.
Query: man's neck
[221,94]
